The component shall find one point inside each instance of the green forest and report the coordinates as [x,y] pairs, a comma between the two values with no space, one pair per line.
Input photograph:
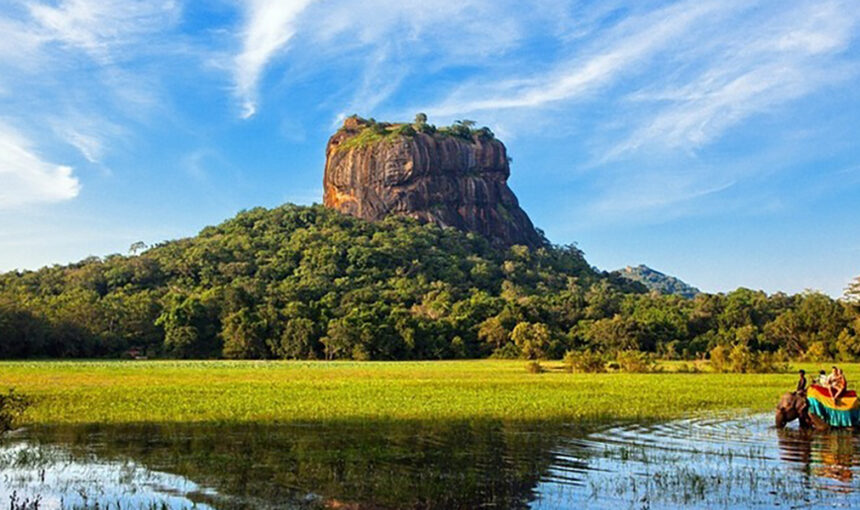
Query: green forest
[299,282]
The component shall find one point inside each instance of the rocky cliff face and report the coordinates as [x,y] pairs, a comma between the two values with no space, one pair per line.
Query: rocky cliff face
[439,178]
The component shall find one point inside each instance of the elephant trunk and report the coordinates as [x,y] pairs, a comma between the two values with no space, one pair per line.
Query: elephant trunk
[780,419]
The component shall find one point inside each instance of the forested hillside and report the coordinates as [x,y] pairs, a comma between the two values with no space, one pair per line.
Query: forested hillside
[655,280]
[308,282]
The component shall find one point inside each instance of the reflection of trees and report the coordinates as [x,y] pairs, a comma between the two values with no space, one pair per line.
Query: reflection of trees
[825,454]
[372,465]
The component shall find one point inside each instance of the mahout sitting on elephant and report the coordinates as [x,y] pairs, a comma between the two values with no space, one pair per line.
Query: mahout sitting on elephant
[817,408]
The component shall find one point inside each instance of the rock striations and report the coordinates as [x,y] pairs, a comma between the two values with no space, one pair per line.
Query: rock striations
[452,179]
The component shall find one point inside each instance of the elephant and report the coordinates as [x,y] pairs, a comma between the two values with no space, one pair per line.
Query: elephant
[793,406]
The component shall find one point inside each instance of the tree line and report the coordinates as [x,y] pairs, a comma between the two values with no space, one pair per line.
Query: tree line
[301,282]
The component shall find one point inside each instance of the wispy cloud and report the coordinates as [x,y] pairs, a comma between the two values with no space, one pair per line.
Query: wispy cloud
[622,49]
[675,77]
[269,26]
[72,66]
[101,26]
[89,146]
[25,178]
[378,44]
[748,71]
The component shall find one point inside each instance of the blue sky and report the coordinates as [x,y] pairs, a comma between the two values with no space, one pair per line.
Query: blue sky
[713,140]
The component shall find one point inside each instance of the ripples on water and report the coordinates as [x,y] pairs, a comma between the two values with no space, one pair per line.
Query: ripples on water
[704,463]
[715,462]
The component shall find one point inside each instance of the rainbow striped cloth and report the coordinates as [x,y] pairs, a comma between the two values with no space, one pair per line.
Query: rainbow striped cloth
[846,414]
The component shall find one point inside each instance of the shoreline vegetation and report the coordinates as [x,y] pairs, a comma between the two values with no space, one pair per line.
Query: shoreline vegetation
[270,392]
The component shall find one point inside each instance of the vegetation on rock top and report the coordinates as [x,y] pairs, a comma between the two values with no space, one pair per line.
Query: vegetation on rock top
[370,131]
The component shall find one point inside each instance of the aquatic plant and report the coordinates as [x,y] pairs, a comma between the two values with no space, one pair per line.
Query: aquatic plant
[18,503]
[12,407]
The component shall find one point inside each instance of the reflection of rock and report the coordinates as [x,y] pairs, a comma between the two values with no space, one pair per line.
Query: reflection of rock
[441,179]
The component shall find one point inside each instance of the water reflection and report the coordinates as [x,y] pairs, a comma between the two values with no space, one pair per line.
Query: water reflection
[828,454]
[701,462]
[417,465]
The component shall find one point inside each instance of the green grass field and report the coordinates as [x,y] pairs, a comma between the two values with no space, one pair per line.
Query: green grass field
[112,392]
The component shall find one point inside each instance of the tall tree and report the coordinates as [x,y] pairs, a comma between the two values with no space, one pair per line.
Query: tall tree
[852,292]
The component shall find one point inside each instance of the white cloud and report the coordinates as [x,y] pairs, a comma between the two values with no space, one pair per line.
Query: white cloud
[748,71]
[90,147]
[27,179]
[269,26]
[619,50]
[80,68]
[374,44]
[89,133]
[676,77]
[100,26]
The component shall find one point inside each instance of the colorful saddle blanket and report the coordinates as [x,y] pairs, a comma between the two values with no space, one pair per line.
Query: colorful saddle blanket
[844,414]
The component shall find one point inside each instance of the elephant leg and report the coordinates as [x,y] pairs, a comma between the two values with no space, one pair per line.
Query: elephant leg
[818,423]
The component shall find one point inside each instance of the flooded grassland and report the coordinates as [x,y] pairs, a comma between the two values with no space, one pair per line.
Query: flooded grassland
[101,435]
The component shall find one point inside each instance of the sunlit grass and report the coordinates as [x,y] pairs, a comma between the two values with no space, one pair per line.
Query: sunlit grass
[276,391]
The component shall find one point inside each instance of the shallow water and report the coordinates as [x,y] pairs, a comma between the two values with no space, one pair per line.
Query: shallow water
[713,462]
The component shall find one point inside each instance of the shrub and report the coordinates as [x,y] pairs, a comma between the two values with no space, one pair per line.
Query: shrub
[817,351]
[485,133]
[426,128]
[507,351]
[12,407]
[636,362]
[847,346]
[741,359]
[685,368]
[767,362]
[534,367]
[360,353]
[719,358]
[532,338]
[584,361]
[405,130]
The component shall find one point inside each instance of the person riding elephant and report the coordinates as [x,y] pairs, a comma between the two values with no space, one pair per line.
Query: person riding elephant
[793,406]
[838,384]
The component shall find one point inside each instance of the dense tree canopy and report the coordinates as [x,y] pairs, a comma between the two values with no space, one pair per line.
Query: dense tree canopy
[307,282]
